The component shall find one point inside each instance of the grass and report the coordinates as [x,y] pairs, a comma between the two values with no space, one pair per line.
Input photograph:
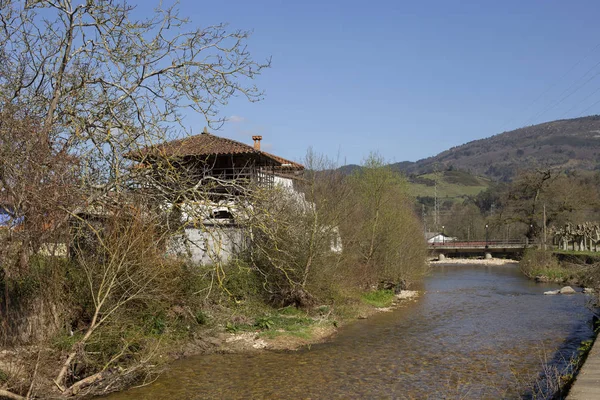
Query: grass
[553,273]
[286,321]
[450,187]
[299,326]
[379,298]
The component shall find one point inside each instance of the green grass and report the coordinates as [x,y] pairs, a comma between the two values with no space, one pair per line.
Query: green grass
[553,273]
[379,298]
[287,321]
[451,187]
[291,310]
[299,326]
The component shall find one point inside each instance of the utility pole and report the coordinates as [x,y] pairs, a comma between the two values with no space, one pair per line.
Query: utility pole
[435,204]
[544,226]
[424,223]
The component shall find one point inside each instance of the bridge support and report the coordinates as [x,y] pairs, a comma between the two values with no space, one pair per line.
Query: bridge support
[441,257]
[488,255]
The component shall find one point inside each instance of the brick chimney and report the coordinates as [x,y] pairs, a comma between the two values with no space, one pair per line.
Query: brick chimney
[257,140]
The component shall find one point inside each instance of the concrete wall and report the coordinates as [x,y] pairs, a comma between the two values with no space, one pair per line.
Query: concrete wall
[219,241]
[209,245]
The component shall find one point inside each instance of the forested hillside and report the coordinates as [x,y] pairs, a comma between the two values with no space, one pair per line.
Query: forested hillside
[571,144]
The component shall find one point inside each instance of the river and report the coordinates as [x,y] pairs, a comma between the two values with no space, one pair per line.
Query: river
[478,332]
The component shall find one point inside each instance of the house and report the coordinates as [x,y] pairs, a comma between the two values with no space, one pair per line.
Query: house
[224,169]
[216,161]
[437,237]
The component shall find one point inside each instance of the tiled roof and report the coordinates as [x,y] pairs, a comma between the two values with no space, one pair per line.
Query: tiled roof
[198,145]
[285,164]
[206,144]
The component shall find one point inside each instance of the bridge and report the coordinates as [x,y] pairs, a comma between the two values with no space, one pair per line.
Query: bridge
[483,247]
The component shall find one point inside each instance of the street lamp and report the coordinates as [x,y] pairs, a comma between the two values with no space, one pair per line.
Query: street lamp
[443,236]
[486,236]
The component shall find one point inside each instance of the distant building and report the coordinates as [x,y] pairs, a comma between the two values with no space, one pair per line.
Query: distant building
[438,237]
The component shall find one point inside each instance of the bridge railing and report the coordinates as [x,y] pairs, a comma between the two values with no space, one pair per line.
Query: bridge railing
[480,243]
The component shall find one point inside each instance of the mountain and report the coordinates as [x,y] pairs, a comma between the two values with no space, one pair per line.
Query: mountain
[567,144]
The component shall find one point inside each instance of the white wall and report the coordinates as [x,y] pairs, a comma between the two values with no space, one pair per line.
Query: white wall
[209,245]
[440,239]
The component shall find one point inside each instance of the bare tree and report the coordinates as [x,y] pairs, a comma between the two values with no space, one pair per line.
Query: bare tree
[81,84]
[125,265]
[103,82]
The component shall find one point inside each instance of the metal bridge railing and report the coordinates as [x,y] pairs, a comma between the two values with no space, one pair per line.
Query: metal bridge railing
[480,243]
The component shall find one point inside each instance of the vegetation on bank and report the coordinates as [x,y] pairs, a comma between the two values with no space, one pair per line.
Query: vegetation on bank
[562,267]
[94,290]
[121,304]
[565,267]
[539,263]
[92,293]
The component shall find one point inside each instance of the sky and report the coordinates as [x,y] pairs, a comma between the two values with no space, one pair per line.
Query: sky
[406,79]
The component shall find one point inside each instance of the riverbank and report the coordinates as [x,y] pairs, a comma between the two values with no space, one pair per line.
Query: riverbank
[249,330]
[453,343]
[545,266]
[567,269]
[291,329]
[586,384]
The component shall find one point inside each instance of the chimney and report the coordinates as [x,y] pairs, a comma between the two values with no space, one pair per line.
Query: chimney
[205,131]
[257,140]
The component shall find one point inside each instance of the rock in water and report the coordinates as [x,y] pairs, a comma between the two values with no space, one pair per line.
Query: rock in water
[588,290]
[552,292]
[567,290]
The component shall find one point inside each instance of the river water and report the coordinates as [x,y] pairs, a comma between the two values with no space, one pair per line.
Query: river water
[479,332]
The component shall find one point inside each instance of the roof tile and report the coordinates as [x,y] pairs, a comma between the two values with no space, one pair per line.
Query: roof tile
[206,144]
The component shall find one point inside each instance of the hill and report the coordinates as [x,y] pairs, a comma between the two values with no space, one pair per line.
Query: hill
[570,144]
[452,185]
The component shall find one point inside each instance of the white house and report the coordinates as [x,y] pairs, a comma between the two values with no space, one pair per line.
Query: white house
[437,237]
[211,232]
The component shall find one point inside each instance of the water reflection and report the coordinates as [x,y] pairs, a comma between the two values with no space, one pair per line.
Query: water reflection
[478,332]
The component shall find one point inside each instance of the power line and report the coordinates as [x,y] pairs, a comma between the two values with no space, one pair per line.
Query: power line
[555,83]
[584,111]
[582,101]
[552,105]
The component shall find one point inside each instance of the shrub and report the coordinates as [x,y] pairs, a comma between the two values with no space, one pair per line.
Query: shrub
[539,262]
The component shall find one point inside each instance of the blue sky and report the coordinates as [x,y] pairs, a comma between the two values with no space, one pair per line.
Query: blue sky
[407,79]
